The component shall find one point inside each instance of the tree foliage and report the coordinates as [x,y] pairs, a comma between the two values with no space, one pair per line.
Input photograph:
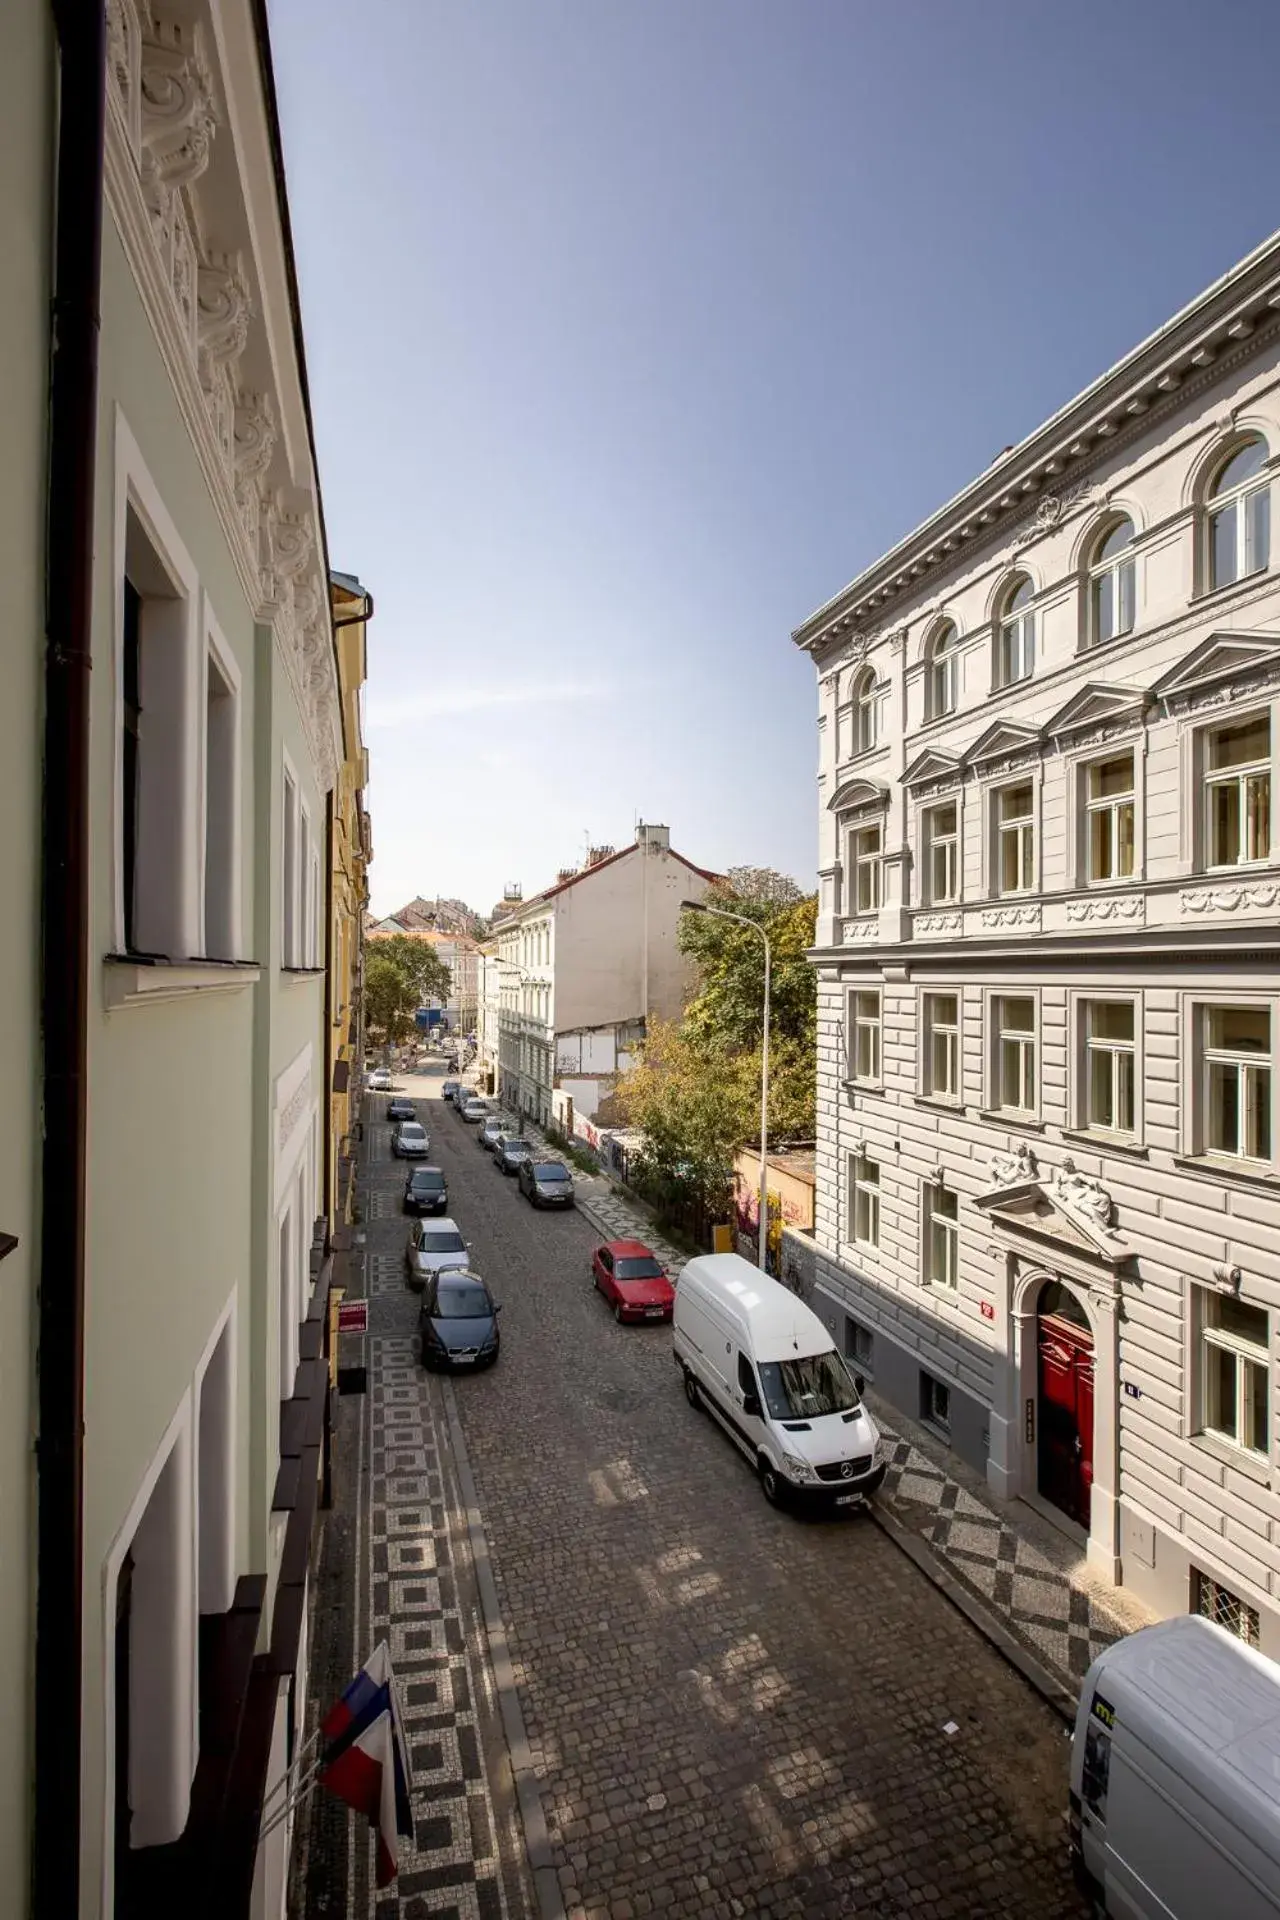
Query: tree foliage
[695,1091]
[400,975]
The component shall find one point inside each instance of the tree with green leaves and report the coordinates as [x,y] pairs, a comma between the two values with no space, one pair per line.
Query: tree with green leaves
[401,974]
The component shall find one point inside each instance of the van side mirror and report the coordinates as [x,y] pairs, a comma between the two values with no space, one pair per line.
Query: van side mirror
[751,1405]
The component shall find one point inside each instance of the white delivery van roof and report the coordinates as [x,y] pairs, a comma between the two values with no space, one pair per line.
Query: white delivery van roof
[1193,1685]
[782,1327]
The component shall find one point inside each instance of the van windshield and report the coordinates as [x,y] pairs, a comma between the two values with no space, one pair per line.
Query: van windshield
[802,1389]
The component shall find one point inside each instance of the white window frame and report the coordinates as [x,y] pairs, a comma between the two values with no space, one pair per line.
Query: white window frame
[866,712]
[930,1028]
[1023,831]
[1202,1056]
[869,863]
[1236,501]
[290,864]
[1250,1359]
[864,1022]
[997,1034]
[169,919]
[864,1191]
[1113,804]
[940,1231]
[1215,1601]
[933,841]
[220,838]
[1086,1046]
[1122,562]
[943,685]
[1015,639]
[1238,777]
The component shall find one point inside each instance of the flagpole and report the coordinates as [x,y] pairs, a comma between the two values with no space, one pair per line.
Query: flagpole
[303,1791]
[291,1769]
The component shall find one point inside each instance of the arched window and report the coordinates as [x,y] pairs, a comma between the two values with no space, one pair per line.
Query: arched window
[864,712]
[944,672]
[1113,584]
[1240,515]
[1017,638]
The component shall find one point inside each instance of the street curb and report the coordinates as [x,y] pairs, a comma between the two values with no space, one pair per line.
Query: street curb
[536,1839]
[1041,1678]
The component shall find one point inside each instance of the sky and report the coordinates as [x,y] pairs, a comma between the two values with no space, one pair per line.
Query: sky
[636,328]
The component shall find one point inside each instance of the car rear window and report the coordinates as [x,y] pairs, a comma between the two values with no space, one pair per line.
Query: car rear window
[516,1146]
[411,1130]
[442,1242]
[427,1180]
[461,1303]
[551,1170]
[648,1269]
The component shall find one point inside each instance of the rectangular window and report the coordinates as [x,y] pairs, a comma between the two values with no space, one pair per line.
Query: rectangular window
[942,1046]
[859,1346]
[131,733]
[220,877]
[1236,1085]
[942,840]
[1238,793]
[1015,1054]
[1015,839]
[935,1403]
[289,877]
[865,848]
[1109,1048]
[942,1237]
[864,1201]
[1234,1372]
[1109,819]
[864,1036]
[1216,1603]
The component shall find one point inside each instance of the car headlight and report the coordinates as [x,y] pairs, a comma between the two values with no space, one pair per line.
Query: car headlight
[796,1468]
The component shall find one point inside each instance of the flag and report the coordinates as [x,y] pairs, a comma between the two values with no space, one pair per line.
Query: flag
[365,1761]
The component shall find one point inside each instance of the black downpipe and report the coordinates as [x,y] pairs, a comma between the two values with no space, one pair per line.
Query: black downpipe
[73,413]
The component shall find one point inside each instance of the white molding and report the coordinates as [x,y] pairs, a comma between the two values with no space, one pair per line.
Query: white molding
[215,643]
[126,983]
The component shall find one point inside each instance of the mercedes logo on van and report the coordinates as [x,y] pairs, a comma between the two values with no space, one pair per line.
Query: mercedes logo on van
[846,1469]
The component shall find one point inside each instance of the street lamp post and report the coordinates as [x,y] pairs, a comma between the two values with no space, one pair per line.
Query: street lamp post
[722,913]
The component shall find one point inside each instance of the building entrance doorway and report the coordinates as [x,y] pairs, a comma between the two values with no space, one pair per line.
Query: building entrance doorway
[1064,1347]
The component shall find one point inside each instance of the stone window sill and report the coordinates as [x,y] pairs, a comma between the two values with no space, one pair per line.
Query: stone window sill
[132,979]
[1234,1457]
[290,976]
[1107,1143]
[862,1086]
[1016,1122]
[1227,1170]
[939,1103]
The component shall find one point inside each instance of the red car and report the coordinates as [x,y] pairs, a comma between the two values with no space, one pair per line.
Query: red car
[633,1281]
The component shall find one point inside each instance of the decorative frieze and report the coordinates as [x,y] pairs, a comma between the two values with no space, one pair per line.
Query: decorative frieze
[938,923]
[1025,919]
[1255,897]
[859,932]
[1101,910]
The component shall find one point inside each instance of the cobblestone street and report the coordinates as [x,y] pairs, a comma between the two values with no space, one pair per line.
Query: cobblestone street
[728,1710]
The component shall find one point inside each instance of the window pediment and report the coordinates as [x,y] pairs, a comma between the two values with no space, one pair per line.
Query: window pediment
[1030,1208]
[858,796]
[1221,657]
[1003,740]
[1097,704]
[932,764]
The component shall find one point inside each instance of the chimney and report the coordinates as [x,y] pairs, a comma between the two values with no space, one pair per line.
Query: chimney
[513,891]
[653,839]
[596,854]
[565,873]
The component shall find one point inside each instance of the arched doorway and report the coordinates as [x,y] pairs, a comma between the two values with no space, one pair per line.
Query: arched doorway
[1064,1350]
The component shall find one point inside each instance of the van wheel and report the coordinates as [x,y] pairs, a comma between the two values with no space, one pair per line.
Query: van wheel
[691,1393]
[770,1484]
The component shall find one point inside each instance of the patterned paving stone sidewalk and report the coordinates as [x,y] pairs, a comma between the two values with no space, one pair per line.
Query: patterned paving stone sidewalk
[1037,1589]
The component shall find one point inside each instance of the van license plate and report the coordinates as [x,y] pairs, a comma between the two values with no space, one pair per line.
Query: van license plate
[847,1499]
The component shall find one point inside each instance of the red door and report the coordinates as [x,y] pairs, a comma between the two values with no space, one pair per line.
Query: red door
[1066,1415]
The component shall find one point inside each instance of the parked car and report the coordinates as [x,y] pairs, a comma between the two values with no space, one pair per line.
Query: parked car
[463,1094]
[458,1321]
[401,1109]
[426,1191]
[410,1141]
[633,1281]
[764,1364]
[433,1247]
[509,1150]
[449,1088]
[490,1127]
[474,1109]
[378,1081]
[545,1183]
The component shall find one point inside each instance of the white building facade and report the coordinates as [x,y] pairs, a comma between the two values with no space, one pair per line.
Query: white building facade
[1048,1204]
[585,965]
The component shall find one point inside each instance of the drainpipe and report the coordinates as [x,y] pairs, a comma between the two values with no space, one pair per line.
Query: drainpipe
[328,1016]
[73,413]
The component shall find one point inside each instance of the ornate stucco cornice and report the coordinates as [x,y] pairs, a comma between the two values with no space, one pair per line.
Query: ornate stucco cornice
[1041,480]
[179,189]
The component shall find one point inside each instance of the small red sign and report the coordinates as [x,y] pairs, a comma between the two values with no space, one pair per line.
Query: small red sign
[353,1316]
[988,1311]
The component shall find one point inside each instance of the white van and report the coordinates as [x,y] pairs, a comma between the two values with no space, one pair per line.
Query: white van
[1174,1806]
[763,1365]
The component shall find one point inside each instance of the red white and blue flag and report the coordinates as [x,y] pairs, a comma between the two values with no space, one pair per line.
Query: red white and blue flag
[365,1761]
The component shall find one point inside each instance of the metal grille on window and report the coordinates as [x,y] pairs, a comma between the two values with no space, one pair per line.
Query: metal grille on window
[1215,1602]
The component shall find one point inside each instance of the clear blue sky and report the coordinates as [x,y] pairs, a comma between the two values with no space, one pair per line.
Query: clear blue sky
[637,327]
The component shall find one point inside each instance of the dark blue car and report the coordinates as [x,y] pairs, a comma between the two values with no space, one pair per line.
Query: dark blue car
[458,1324]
